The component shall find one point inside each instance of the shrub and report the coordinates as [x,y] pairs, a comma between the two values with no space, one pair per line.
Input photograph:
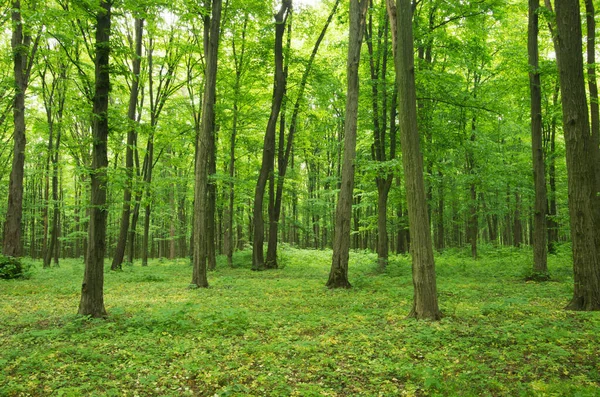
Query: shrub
[11,268]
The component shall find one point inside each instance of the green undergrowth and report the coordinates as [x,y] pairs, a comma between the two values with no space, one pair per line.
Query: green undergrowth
[282,333]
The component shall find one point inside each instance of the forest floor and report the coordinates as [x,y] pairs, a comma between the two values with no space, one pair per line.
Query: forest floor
[282,333]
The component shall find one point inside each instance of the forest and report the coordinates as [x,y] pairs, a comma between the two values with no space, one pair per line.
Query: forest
[299,197]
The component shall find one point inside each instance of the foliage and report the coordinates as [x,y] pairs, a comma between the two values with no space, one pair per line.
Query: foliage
[12,268]
[283,333]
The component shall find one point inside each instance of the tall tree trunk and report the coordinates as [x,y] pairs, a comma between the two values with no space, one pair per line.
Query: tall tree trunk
[552,208]
[131,134]
[211,235]
[229,214]
[92,295]
[54,227]
[284,156]
[268,155]
[591,72]
[439,224]
[425,303]
[22,62]
[204,146]
[517,225]
[338,275]
[582,185]
[540,264]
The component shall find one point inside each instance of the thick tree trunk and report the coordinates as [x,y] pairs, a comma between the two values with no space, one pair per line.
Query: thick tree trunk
[579,147]
[22,61]
[131,134]
[540,264]
[200,249]
[268,155]
[425,303]
[92,294]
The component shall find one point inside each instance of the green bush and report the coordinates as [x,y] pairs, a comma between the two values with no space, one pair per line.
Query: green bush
[11,268]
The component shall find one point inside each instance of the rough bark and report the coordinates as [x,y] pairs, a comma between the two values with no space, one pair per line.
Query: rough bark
[268,155]
[338,275]
[131,134]
[582,185]
[199,278]
[92,289]
[425,303]
[540,265]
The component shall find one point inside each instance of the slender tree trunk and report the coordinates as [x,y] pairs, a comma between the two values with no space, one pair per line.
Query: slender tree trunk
[284,156]
[54,227]
[268,155]
[425,303]
[200,253]
[552,210]
[338,275]
[439,224]
[229,214]
[131,134]
[540,264]
[583,192]
[517,225]
[211,252]
[92,295]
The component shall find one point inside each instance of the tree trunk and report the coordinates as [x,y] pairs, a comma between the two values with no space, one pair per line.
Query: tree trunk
[284,156]
[579,147]
[22,62]
[200,253]
[92,295]
[425,303]
[268,155]
[517,225]
[540,264]
[338,275]
[131,134]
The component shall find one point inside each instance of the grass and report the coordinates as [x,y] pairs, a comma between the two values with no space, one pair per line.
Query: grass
[282,333]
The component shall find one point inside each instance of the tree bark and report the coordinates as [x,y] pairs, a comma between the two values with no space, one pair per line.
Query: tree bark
[582,185]
[284,156]
[338,275]
[22,62]
[268,155]
[131,135]
[200,249]
[540,264]
[425,303]
[92,294]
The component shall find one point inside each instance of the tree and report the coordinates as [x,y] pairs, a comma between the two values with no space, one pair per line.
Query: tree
[338,275]
[268,155]
[54,96]
[24,52]
[283,155]
[384,177]
[583,191]
[131,139]
[92,289]
[204,146]
[425,304]
[540,265]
